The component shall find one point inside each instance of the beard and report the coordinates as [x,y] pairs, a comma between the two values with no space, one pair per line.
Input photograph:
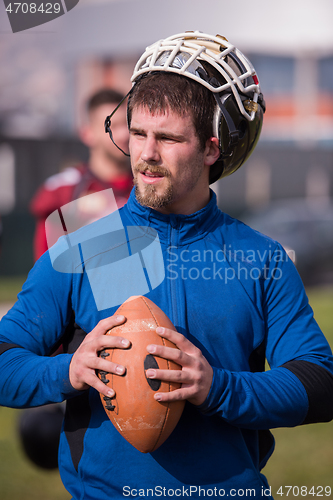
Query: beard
[147,194]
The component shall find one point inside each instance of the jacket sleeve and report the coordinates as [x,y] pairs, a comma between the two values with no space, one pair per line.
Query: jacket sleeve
[298,388]
[28,332]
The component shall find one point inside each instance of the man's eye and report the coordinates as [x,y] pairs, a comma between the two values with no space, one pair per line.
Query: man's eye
[168,139]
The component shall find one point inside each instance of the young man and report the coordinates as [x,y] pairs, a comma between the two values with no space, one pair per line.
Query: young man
[107,168]
[234,297]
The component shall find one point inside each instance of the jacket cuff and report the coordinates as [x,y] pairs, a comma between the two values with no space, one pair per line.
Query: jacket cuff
[62,370]
[213,398]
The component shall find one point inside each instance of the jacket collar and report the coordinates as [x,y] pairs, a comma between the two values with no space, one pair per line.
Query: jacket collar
[176,229]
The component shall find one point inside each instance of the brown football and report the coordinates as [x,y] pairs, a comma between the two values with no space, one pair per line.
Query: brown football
[140,419]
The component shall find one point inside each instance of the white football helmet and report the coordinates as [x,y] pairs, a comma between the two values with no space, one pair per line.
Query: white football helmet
[215,63]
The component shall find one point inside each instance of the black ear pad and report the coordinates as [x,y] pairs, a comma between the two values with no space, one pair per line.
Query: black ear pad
[224,127]
[217,124]
[216,171]
[232,157]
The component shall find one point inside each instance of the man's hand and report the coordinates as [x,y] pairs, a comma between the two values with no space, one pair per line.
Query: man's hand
[85,361]
[195,376]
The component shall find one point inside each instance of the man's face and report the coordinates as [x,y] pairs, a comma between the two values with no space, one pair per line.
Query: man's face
[169,167]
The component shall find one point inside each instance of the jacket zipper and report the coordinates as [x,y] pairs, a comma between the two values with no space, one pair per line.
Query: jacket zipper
[173,282]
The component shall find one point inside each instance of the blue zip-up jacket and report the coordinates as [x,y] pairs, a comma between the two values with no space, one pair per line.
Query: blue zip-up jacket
[231,291]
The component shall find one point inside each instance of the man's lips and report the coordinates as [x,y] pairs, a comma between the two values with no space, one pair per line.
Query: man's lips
[149,177]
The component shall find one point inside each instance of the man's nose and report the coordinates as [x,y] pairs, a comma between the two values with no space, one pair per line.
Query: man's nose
[150,151]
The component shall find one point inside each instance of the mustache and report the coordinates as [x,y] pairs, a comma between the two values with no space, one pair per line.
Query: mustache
[154,169]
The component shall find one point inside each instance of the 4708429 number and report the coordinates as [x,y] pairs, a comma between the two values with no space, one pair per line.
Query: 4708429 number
[33,8]
[305,491]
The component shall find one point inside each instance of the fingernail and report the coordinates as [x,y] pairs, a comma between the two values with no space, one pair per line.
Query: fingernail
[120,317]
[150,373]
[158,397]
[120,370]
[160,330]
[151,348]
[125,342]
[110,393]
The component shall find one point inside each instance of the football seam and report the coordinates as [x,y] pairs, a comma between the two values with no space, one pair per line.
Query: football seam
[168,364]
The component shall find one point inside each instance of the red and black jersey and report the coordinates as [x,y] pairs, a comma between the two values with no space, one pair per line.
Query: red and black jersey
[66,186]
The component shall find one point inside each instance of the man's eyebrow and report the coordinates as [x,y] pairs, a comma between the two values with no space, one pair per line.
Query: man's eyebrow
[137,129]
[159,134]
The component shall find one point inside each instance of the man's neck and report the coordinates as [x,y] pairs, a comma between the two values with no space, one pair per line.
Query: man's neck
[182,209]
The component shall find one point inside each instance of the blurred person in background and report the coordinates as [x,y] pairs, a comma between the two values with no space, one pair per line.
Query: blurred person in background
[39,428]
[107,168]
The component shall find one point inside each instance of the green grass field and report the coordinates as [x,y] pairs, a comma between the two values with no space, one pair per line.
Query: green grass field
[303,455]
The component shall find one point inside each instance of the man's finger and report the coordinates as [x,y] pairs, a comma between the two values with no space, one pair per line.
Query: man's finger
[176,395]
[178,339]
[178,376]
[108,366]
[111,342]
[97,384]
[179,357]
[106,324]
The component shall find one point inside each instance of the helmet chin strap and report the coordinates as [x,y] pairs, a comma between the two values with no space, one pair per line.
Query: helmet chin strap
[107,123]
[232,130]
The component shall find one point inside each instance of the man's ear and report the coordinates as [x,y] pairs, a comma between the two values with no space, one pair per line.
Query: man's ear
[212,151]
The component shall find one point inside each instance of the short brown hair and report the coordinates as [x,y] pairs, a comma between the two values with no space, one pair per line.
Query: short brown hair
[104,96]
[161,91]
